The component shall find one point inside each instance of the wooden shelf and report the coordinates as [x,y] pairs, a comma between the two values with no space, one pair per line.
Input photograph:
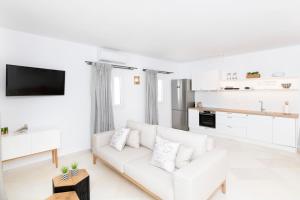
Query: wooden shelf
[262,84]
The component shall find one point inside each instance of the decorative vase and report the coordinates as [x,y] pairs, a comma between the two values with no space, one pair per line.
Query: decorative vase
[74,172]
[65,176]
[286,107]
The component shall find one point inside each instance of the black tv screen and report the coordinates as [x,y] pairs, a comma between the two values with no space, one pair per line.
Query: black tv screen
[29,81]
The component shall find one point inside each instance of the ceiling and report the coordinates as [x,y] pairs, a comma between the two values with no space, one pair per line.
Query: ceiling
[179,30]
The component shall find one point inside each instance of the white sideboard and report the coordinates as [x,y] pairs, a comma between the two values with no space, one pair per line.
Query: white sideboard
[26,144]
[278,132]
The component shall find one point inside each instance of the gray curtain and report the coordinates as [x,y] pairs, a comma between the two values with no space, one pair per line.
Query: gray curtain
[151,97]
[102,111]
[2,191]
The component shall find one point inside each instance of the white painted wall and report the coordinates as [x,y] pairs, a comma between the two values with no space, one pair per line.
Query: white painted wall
[71,112]
[133,96]
[269,61]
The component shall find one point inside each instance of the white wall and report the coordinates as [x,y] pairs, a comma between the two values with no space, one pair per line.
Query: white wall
[269,61]
[71,112]
[133,96]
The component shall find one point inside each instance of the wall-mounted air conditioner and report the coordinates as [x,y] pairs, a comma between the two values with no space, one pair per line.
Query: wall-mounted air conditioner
[111,56]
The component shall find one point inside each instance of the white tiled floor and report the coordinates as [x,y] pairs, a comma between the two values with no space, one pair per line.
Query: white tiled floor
[256,173]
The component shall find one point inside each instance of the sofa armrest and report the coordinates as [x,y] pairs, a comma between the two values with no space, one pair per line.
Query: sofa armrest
[100,140]
[201,177]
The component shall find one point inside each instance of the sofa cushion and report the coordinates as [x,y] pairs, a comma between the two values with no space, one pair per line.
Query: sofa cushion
[133,139]
[152,178]
[119,138]
[164,154]
[118,159]
[193,140]
[184,156]
[147,132]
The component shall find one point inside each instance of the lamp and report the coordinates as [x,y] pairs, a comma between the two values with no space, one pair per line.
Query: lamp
[136,80]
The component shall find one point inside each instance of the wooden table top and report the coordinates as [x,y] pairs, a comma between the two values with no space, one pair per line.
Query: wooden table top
[73,180]
[64,196]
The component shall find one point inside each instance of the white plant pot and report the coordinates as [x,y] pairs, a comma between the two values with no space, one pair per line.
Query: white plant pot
[74,172]
[65,176]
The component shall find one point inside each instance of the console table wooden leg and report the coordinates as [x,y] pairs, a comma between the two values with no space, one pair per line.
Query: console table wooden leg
[223,187]
[55,157]
[94,159]
[52,152]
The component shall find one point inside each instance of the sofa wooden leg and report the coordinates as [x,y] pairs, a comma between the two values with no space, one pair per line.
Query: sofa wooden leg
[223,187]
[94,159]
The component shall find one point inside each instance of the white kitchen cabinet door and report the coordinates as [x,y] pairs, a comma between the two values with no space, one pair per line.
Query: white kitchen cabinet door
[209,80]
[260,128]
[193,118]
[284,131]
[232,124]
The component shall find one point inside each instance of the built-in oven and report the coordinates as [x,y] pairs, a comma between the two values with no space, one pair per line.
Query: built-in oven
[207,119]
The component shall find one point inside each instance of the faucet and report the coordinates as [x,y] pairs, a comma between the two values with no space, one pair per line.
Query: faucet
[262,106]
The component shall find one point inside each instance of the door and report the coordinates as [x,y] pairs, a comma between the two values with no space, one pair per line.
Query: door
[260,128]
[179,120]
[284,131]
[178,95]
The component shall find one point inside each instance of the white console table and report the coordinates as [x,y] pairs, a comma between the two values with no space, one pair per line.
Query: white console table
[25,144]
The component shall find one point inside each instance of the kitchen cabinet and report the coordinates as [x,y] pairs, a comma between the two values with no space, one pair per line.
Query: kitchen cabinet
[193,118]
[231,124]
[209,80]
[279,131]
[260,128]
[284,131]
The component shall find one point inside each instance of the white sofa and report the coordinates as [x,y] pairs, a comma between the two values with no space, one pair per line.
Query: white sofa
[196,181]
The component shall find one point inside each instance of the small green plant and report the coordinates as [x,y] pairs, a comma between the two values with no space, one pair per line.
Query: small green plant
[64,170]
[74,165]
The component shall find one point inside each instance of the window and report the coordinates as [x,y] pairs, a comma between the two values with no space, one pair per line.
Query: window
[116,91]
[160,90]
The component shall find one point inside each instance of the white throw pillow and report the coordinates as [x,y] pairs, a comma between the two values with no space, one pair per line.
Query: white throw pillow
[119,138]
[133,139]
[184,156]
[164,154]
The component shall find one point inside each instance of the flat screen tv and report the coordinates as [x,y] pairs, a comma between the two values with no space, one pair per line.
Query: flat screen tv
[29,81]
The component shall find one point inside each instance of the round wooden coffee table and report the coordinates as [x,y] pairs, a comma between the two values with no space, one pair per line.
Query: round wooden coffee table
[80,184]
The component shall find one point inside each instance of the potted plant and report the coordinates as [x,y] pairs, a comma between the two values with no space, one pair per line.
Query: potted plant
[65,172]
[74,170]
[253,75]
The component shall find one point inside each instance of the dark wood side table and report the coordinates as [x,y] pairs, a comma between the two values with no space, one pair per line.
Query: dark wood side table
[80,184]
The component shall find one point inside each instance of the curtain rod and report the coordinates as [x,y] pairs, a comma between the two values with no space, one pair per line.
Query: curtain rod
[113,65]
[161,72]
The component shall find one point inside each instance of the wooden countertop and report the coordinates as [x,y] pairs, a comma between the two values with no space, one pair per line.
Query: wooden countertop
[250,112]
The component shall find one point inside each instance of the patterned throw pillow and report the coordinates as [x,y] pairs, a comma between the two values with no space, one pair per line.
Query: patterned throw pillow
[118,140]
[164,154]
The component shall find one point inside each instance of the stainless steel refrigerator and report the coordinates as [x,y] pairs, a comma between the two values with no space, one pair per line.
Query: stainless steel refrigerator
[182,98]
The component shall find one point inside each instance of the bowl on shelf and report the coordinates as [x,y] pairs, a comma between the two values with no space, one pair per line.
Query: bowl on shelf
[286,85]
